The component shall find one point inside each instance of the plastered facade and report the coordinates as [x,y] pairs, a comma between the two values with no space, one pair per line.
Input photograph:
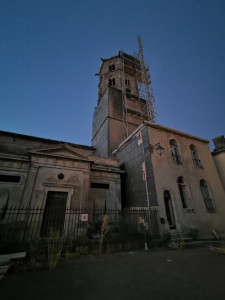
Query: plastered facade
[55,166]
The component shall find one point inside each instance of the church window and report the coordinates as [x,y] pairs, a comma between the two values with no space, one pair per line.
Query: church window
[206,196]
[169,210]
[112,81]
[111,67]
[127,82]
[194,155]
[174,152]
[183,192]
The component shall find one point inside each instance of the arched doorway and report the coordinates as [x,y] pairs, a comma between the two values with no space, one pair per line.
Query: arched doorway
[169,210]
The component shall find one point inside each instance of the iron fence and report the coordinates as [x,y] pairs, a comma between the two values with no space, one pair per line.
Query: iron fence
[25,224]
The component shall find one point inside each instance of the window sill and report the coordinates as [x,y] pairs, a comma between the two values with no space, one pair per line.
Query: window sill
[177,162]
[198,167]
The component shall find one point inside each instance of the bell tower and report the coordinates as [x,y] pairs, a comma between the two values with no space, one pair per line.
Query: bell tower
[122,105]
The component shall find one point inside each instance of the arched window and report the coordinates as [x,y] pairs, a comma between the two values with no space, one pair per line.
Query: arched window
[112,81]
[174,152]
[111,67]
[206,196]
[169,210]
[183,192]
[194,155]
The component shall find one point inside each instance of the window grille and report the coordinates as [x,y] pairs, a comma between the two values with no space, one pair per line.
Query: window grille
[174,152]
[194,155]
[206,196]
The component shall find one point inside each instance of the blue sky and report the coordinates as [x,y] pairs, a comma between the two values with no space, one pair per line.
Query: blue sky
[51,49]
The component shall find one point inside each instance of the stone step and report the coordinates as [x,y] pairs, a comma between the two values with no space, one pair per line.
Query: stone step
[5,258]
[3,269]
[5,261]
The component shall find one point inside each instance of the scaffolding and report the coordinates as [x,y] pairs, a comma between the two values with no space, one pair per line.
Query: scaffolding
[135,66]
[146,85]
[124,96]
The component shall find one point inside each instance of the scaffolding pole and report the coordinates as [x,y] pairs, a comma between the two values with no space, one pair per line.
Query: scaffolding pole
[123,89]
[148,92]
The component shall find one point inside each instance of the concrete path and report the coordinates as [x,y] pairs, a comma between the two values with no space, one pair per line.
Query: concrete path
[156,274]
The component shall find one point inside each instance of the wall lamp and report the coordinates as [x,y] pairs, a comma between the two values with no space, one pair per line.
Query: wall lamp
[158,148]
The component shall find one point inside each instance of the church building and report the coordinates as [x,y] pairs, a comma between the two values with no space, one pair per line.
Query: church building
[133,162]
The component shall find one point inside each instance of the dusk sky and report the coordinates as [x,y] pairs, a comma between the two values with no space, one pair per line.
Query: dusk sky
[50,51]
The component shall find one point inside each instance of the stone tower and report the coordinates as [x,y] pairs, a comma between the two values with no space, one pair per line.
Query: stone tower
[121,108]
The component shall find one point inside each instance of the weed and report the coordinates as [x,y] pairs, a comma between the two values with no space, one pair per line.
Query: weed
[104,230]
[55,245]
[180,242]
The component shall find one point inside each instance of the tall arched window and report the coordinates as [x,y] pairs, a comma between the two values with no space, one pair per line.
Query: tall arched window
[169,210]
[174,152]
[206,196]
[194,155]
[183,192]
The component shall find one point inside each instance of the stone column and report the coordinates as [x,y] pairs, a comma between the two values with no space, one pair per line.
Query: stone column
[29,186]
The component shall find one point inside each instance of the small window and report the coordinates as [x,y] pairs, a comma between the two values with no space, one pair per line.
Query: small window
[183,192]
[112,81]
[206,196]
[95,185]
[111,67]
[10,178]
[174,152]
[127,82]
[194,155]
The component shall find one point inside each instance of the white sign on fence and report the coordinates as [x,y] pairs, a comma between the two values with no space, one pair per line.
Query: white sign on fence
[84,217]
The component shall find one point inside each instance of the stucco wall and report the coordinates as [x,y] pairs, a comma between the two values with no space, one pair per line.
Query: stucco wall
[166,173]
[13,192]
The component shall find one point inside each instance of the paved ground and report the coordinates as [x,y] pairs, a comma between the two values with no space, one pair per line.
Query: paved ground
[156,274]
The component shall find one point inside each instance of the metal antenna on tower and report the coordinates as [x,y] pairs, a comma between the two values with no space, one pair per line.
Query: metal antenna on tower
[147,89]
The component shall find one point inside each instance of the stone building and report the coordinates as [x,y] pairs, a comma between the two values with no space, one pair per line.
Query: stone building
[169,172]
[182,184]
[174,173]
[35,171]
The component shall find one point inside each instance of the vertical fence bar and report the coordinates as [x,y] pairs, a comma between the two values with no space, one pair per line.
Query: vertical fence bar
[33,221]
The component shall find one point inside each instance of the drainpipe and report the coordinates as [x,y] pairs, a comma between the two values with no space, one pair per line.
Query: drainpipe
[145,179]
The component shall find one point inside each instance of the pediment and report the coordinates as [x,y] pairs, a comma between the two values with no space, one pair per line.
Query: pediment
[62,151]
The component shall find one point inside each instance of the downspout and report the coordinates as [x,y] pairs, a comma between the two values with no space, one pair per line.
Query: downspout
[145,179]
